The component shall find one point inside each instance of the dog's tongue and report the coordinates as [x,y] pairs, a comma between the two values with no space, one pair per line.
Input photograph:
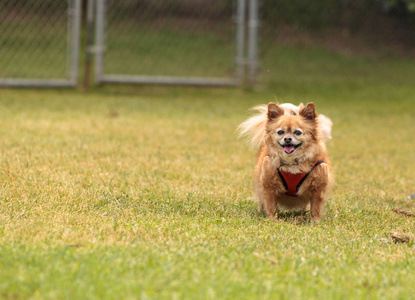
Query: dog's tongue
[288,149]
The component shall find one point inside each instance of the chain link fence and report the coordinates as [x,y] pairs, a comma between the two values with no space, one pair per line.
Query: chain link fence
[347,27]
[197,42]
[39,42]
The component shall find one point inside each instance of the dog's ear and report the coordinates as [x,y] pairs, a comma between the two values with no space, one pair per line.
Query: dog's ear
[274,111]
[309,112]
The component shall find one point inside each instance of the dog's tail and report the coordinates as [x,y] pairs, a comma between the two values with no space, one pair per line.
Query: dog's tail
[254,128]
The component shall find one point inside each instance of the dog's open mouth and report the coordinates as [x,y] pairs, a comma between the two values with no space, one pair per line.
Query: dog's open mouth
[290,148]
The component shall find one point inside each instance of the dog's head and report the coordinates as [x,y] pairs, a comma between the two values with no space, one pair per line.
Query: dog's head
[291,134]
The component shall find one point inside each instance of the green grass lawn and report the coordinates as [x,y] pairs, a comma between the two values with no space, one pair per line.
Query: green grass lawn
[145,192]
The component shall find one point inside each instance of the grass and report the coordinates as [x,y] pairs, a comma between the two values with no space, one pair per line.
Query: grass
[145,192]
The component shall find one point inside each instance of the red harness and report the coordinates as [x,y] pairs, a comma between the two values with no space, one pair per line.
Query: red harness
[292,182]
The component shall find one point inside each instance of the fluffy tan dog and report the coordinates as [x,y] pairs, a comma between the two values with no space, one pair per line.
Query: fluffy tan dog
[292,169]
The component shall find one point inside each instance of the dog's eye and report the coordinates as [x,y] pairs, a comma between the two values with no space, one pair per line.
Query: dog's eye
[280,132]
[297,132]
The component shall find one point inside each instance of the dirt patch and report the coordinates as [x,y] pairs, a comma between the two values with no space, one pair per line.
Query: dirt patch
[400,237]
[404,213]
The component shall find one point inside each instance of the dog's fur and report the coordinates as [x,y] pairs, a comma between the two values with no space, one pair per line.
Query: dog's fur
[292,139]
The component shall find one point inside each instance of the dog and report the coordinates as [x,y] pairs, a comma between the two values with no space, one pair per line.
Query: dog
[293,170]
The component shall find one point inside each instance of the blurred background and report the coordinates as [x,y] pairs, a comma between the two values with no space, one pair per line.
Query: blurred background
[196,42]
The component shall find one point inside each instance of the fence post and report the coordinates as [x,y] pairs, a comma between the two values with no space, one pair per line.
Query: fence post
[89,41]
[75,19]
[99,41]
[240,40]
[253,25]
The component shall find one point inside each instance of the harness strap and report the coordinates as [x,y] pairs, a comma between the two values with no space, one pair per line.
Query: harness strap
[308,173]
[293,182]
[282,179]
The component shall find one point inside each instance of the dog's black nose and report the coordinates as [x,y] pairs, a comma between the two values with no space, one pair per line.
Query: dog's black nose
[288,140]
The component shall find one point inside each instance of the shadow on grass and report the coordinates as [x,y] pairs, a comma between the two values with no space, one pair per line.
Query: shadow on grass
[169,204]
[294,217]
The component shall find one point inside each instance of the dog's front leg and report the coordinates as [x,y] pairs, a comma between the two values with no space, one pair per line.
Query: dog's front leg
[321,188]
[271,206]
[270,187]
[316,207]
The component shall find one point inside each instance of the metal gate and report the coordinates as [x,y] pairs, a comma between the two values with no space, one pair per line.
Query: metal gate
[39,42]
[178,42]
